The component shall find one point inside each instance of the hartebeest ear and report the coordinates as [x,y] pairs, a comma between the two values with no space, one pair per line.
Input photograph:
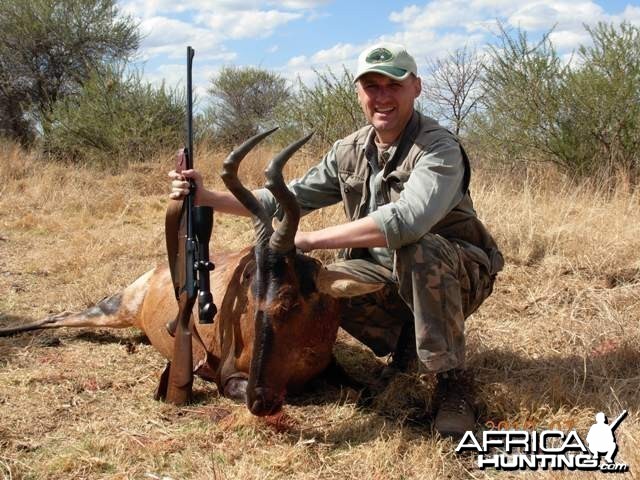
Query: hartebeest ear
[343,285]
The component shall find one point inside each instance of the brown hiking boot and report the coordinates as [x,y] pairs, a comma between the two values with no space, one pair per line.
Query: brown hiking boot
[455,414]
[404,359]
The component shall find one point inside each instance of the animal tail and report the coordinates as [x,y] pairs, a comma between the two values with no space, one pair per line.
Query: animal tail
[117,311]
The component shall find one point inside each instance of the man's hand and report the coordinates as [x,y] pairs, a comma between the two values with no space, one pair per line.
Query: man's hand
[223,202]
[180,185]
[303,241]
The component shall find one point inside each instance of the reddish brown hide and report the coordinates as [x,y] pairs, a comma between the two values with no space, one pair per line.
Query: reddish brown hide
[304,328]
[278,311]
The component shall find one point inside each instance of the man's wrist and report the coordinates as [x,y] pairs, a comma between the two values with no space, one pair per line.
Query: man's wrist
[308,241]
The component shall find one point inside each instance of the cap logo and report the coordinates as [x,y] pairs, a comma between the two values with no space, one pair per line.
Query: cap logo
[379,55]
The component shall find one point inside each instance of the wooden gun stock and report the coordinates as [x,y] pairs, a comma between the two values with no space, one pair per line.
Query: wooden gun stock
[180,381]
[176,381]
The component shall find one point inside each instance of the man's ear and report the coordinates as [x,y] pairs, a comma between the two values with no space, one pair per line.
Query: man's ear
[343,285]
[418,86]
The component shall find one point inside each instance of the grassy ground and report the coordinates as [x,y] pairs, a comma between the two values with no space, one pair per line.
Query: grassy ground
[556,343]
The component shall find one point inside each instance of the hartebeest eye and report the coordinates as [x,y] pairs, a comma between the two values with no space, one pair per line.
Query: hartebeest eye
[285,303]
[288,298]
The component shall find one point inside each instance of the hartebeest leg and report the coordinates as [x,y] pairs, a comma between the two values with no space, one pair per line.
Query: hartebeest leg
[117,311]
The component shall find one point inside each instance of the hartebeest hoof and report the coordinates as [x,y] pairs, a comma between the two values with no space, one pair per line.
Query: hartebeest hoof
[236,389]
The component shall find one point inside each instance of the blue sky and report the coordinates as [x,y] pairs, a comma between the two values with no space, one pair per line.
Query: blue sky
[293,37]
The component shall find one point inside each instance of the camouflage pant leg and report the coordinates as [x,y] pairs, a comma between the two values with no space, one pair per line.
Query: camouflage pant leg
[442,282]
[374,319]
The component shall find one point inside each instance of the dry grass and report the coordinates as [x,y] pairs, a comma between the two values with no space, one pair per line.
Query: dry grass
[557,342]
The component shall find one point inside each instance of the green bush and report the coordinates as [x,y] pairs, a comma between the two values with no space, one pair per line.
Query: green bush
[243,102]
[584,117]
[247,100]
[521,96]
[601,128]
[329,107]
[48,49]
[116,118]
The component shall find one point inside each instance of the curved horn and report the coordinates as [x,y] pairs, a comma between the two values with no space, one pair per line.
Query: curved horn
[282,240]
[261,221]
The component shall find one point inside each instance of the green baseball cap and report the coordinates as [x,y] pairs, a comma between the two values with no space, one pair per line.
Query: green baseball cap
[390,59]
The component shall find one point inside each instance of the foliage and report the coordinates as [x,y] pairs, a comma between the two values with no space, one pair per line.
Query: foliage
[115,118]
[244,99]
[603,104]
[583,116]
[329,107]
[521,86]
[48,49]
[451,89]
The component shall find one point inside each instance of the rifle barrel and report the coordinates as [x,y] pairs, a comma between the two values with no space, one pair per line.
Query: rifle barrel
[190,281]
[190,54]
[617,421]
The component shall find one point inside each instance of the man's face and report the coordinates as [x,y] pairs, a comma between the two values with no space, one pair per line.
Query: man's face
[387,103]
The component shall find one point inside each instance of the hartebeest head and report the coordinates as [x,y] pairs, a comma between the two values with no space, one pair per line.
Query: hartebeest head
[293,298]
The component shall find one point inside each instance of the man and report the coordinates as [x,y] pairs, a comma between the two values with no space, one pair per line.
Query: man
[403,181]
[601,438]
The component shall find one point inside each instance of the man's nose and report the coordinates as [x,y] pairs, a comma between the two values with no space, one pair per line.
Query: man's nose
[383,94]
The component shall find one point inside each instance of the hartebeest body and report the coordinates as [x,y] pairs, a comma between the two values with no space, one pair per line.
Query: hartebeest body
[279,310]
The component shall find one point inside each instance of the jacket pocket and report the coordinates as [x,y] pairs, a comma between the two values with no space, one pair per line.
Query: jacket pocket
[476,280]
[395,183]
[352,188]
[350,183]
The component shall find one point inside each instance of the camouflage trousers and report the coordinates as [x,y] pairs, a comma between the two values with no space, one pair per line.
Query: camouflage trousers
[436,283]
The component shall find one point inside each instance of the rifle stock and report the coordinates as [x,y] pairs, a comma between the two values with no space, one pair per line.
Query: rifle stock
[179,387]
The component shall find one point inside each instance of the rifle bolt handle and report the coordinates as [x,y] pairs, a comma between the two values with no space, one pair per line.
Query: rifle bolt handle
[204,266]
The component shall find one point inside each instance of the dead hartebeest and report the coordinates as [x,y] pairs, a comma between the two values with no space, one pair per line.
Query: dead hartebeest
[278,309]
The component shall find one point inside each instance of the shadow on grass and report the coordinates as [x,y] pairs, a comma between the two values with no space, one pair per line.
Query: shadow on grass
[505,383]
[403,405]
[8,321]
[14,344]
[126,336]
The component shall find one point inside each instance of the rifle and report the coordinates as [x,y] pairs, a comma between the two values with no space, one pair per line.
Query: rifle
[617,421]
[189,262]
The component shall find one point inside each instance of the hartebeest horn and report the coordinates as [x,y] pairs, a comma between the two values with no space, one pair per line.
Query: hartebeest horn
[282,240]
[261,221]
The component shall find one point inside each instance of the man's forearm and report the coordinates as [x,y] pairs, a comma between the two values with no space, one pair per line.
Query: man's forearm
[223,202]
[362,233]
